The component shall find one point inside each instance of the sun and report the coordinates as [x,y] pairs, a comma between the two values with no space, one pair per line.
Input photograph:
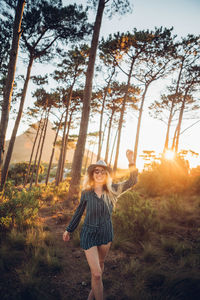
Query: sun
[169,154]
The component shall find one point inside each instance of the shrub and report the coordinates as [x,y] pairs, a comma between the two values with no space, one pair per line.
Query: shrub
[166,177]
[51,193]
[173,206]
[134,217]
[18,171]
[19,210]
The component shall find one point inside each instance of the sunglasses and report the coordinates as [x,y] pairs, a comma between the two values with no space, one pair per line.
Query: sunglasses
[97,171]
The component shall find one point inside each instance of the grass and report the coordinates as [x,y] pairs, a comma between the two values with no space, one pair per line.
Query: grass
[165,264]
[158,238]
[28,258]
[150,253]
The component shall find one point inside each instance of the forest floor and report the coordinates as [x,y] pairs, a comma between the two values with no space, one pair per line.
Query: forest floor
[165,266]
[73,282]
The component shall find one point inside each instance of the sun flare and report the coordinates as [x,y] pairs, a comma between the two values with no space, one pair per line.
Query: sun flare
[169,154]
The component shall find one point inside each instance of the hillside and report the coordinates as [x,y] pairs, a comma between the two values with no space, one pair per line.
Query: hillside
[24,143]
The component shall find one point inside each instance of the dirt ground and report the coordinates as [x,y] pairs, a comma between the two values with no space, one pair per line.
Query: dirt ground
[73,282]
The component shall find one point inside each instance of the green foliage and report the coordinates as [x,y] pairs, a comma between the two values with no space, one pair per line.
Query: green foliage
[19,209]
[173,206]
[165,178]
[134,217]
[18,171]
[51,193]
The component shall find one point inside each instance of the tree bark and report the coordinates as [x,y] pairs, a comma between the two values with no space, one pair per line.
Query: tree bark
[91,157]
[65,137]
[65,148]
[53,150]
[16,126]
[86,160]
[62,148]
[32,151]
[36,155]
[10,79]
[180,121]
[139,124]
[42,146]
[80,147]
[101,118]
[113,146]
[166,146]
[108,137]
[122,116]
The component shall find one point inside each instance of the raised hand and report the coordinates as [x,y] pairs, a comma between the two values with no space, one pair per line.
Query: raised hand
[129,155]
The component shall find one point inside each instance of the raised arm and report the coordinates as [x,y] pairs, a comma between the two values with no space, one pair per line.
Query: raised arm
[132,180]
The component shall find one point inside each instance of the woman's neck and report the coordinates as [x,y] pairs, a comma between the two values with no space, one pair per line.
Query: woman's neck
[98,189]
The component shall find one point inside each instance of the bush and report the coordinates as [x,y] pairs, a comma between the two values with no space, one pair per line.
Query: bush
[18,171]
[134,217]
[20,209]
[51,193]
[166,177]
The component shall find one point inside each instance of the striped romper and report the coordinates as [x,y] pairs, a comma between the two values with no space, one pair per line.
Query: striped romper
[97,228]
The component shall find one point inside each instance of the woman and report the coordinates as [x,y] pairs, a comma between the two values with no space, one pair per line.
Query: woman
[98,197]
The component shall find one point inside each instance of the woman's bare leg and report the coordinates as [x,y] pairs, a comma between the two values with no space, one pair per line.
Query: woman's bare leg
[96,273]
[102,252]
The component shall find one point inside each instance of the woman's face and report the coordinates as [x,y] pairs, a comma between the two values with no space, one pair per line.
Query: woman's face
[99,175]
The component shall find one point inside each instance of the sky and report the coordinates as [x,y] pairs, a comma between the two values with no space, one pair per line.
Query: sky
[183,15]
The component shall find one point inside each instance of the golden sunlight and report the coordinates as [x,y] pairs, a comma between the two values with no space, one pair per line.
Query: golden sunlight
[169,154]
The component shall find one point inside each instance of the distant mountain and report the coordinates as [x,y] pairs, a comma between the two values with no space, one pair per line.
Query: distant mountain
[24,143]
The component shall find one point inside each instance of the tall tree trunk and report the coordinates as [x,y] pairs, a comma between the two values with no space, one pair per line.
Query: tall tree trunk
[139,124]
[108,137]
[166,146]
[53,150]
[174,138]
[63,152]
[80,147]
[32,151]
[10,80]
[86,160]
[180,120]
[104,133]
[113,146]
[16,126]
[65,148]
[91,157]
[36,155]
[101,118]
[122,116]
[42,146]
[62,148]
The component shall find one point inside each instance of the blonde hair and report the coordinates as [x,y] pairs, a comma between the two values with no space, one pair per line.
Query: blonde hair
[109,193]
